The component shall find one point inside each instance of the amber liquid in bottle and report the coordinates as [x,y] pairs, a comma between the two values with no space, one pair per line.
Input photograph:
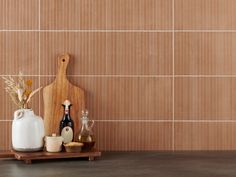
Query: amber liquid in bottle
[88,142]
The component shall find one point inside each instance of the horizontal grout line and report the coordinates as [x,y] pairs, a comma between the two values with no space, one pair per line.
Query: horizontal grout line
[206,121]
[205,76]
[135,120]
[205,31]
[130,76]
[5,30]
[124,120]
[94,75]
[106,31]
[101,75]
[184,121]
[124,31]
[109,31]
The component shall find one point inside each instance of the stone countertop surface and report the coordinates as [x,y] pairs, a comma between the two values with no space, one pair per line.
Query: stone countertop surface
[129,164]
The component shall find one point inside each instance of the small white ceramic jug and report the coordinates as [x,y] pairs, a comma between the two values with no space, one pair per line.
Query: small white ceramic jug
[27,131]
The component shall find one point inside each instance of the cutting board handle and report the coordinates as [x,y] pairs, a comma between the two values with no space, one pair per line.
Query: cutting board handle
[63,61]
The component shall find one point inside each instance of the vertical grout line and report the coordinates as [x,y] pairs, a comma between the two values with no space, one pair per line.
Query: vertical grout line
[173,75]
[39,57]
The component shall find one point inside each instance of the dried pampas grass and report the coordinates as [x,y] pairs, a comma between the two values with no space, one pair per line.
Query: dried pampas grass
[20,92]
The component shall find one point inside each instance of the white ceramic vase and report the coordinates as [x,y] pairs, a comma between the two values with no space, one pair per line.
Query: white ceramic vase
[27,131]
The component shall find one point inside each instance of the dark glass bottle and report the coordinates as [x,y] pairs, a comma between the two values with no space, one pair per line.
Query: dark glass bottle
[67,124]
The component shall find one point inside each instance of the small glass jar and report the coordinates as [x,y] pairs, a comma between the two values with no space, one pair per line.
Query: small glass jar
[86,135]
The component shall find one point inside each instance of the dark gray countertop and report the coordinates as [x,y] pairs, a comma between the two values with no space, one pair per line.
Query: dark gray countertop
[129,164]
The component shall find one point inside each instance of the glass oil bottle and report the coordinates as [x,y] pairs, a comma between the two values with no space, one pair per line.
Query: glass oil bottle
[86,135]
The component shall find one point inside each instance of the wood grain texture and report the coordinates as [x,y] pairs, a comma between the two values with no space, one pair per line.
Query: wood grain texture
[19,14]
[133,136]
[5,136]
[205,53]
[109,53]
[205,14]
[8,107]
[56,93]
[106,14]
[19,52]
[205,98]
[28,157]
[205,136]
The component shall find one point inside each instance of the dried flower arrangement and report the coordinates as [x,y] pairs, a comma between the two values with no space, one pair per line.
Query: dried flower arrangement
[20,92]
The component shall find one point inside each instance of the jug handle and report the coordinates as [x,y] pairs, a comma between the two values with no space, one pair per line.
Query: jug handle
[18,114]
[91,124]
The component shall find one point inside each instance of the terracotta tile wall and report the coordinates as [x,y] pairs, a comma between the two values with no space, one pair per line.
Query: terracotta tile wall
[158,74]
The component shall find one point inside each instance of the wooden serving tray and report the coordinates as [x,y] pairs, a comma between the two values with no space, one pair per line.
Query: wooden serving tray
[27,157]
[6,154]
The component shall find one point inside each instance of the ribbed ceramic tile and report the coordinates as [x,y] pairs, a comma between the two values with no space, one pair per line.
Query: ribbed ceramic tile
[108,53]
[19,14]
[205,53]
[77,14]
[5,136]
[88,52]
[44,81]
[106,14]
[139,53]
[205,136]
[125,98]
[139,14]
[133,136]
[205,14]
[127,74]
[7,105]
[205,98]
[19,52]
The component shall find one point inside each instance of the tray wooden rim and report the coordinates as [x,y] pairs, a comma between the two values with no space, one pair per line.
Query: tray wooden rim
[53,155]
[6,154]
[43,155]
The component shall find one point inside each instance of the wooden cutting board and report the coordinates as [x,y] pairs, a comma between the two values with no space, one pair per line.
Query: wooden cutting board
[56,93]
